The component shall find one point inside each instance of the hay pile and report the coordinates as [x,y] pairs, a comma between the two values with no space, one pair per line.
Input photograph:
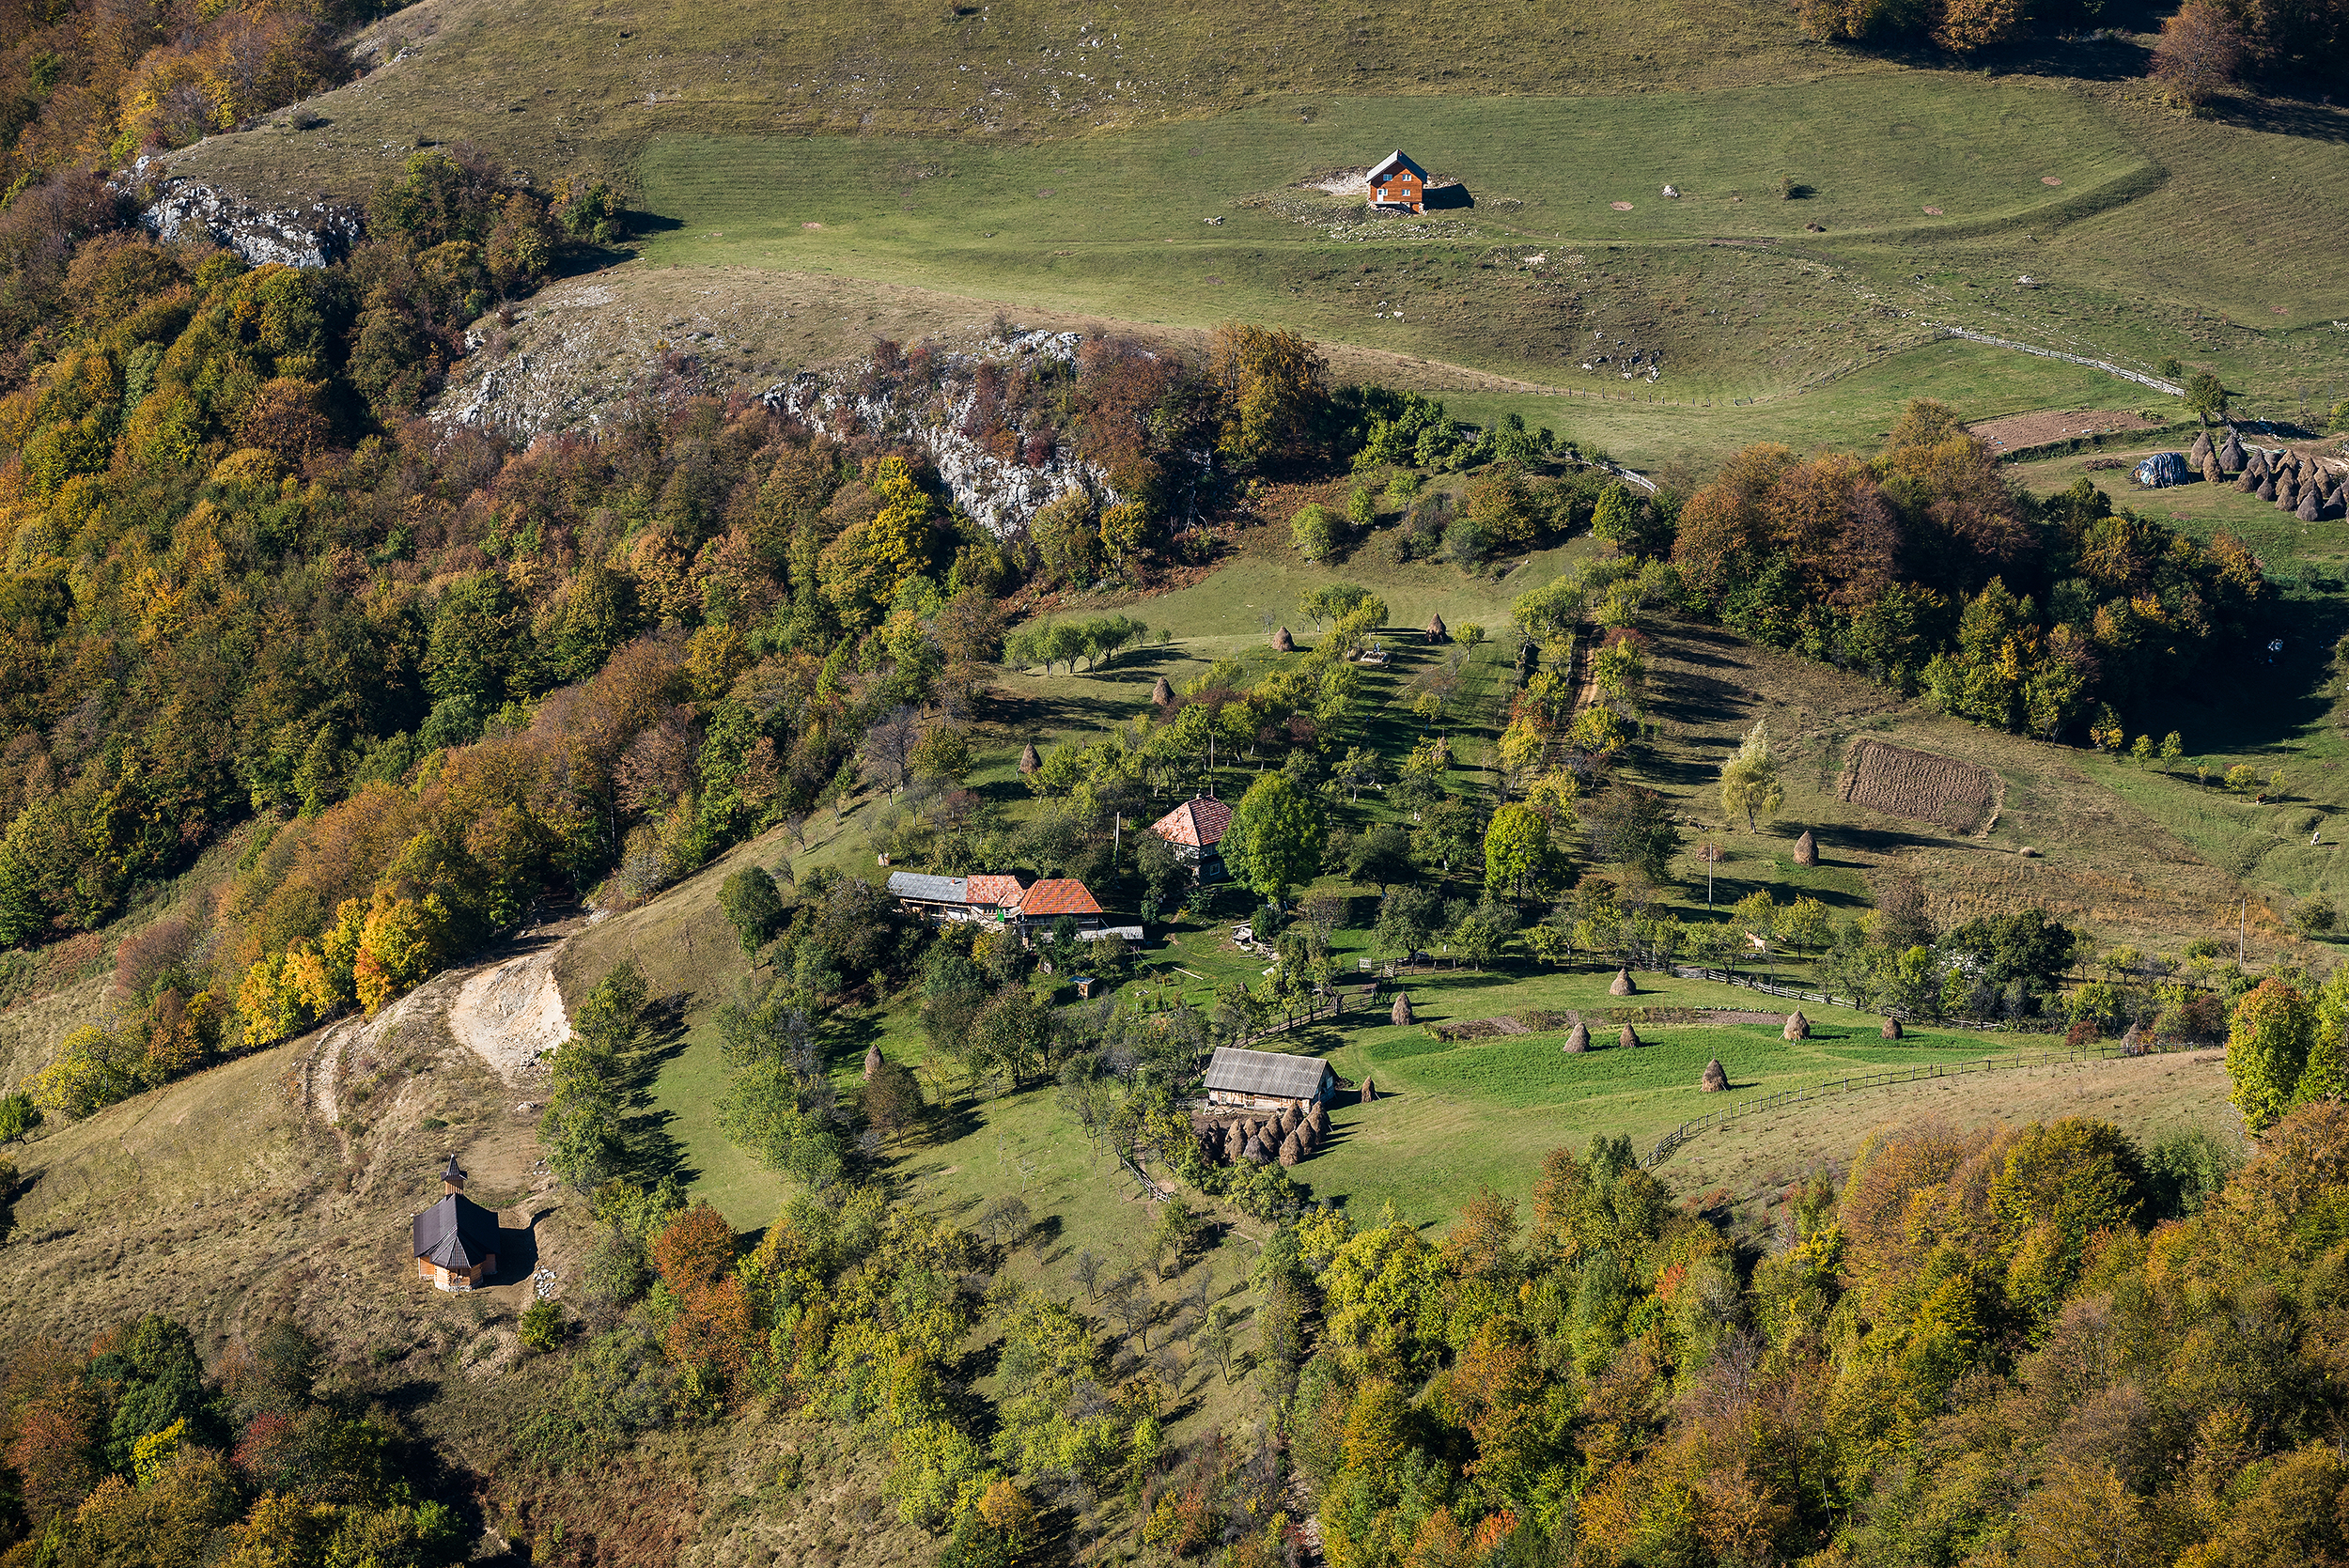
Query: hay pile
[1798,1027]
[1162,695]
[1283,641]
[1891,1030]
[1578,1039]
[1370,1091]
[1715,1078]
[1029,761]
[872,1062]
[1628,1038]
[1436,631]
[2231,453]
[2201,451]
[1621,986]
[1401,1013]
[1806,849]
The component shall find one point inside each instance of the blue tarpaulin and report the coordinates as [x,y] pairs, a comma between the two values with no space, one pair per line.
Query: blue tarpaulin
[2162,470]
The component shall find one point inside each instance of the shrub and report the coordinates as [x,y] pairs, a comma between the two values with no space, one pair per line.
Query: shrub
[543,1326]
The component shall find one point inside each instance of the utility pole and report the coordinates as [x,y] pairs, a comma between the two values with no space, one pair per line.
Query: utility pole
[2242,923]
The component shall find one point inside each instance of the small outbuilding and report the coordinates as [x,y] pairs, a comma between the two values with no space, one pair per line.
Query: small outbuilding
[1269,1080]
[1396,182]
[457,1239]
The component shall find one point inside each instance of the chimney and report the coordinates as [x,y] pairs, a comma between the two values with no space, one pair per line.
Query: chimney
[452,1178]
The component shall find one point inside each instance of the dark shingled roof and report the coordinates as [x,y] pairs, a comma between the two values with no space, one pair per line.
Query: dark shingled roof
[1263,1072]
[456,1232]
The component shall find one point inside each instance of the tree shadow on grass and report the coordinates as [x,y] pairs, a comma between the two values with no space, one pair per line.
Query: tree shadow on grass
[650,1151]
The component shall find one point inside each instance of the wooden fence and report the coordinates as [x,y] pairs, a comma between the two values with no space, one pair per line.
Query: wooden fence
[1853,1082]
[1795,993]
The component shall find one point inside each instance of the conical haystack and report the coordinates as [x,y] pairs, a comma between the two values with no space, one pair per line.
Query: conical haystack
[1798,1027]
[1290,1152]
[1370,1091]
[1621,986]
[1436,632]
[2132,1042]
[2212,473]
[2231,454]
[1029,761]
[2257,465]
[1628,1038]
[2310,509]
[1319,1122]
[2201,450]
[1290,1122]
[2266,491]
[1256,1154]
[1578,1039]
[1161,693]
[1891,1030]
[1235,1144]
[2288,491]
[1716,1078]
[1401,1013]
[1806,849]
[1283,641]
[2248,483]
[872,1062]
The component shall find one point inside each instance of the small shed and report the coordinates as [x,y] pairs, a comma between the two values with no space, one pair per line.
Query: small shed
[457,1239]
[1396,182]
[1268,1080]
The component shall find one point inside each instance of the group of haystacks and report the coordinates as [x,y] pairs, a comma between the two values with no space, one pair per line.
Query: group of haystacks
[1288,1136]
[2296,482]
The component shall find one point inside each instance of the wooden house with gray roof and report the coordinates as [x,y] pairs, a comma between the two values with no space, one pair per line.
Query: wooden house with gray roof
[1268,1080]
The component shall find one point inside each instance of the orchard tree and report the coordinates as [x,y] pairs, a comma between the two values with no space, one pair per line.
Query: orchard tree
[2267,1048]
[752,905]
[1749,785]
[1519,860]
[1275,840]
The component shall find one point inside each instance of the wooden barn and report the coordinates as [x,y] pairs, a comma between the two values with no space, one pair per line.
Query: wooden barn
[1268,1080]
[1396,182]
[457,1239]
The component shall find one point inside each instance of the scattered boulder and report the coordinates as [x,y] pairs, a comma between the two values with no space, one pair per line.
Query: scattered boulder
[1283,641]
[1029,761]
[1401,1013]
[1577,1038]
[1628,1038]
[1806,849]
[1622,985]
[1891,1030]
[872,1061]
[1715,1079]
[1798,1027]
